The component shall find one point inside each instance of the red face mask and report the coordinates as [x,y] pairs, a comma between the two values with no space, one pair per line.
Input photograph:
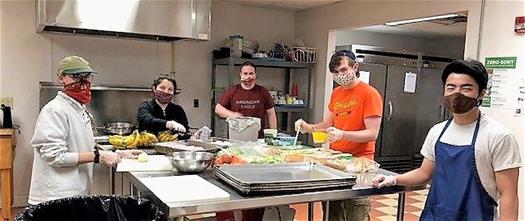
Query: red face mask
[80,91]
[163,97]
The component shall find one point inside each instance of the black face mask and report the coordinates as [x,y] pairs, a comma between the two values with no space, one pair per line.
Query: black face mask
[459,103]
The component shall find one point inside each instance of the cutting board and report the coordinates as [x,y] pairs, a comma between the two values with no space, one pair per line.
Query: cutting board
[184,189]
[155,163]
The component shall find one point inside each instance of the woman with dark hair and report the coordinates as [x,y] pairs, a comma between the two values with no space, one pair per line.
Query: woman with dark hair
[159,113]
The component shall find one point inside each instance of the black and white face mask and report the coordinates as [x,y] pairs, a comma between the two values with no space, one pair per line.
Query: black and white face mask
[344,79]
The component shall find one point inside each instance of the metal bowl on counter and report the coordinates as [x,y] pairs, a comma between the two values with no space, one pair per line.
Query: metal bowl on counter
[120,128]
[191,162]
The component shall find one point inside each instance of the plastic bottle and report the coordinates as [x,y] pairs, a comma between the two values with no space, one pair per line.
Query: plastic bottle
[205,134]
[295,91]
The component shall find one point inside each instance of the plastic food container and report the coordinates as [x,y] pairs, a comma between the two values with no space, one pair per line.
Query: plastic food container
[320,136]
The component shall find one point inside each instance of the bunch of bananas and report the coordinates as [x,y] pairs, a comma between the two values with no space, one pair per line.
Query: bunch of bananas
[166,136]
[133,140]
[147,139]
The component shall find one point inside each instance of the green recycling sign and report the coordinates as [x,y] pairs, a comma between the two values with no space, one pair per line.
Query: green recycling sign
[503,80]
[500,62]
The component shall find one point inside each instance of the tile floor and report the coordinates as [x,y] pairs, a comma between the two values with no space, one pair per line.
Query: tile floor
[384,207]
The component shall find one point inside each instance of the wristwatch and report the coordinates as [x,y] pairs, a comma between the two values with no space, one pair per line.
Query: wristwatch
[97,156]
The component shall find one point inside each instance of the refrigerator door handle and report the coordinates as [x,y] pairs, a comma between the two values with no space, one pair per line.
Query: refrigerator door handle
[390,107]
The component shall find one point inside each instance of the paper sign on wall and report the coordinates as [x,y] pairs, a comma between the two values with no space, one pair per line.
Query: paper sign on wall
[364,76]
[503,85]
[410,82]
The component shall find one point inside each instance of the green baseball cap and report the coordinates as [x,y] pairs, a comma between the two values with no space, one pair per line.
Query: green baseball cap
[74,65]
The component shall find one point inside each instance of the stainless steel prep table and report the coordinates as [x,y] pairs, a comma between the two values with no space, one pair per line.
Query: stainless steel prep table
[362,188]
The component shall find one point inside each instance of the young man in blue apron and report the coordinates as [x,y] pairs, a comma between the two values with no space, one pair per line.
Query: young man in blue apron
[472,160]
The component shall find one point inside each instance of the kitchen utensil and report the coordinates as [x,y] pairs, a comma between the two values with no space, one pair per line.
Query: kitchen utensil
[295,140]
[120,128]
[191,162]
[174,189]
[154,163]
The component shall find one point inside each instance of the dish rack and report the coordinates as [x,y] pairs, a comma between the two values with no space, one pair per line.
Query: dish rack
[304,54]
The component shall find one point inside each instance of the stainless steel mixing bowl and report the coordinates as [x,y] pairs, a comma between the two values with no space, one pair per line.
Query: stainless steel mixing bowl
[191,162]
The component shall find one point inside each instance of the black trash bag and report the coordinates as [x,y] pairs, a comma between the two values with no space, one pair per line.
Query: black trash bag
[93,208]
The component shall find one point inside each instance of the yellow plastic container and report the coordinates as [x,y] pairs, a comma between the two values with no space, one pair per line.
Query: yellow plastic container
[320,136]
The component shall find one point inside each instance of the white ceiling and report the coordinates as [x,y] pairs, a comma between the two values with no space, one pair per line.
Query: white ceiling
[420,29]
[294,5]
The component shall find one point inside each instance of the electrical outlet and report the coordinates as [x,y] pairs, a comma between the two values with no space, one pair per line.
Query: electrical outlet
[195,102]
[8,101]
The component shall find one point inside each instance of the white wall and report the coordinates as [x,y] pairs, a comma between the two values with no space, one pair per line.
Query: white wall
[499,40]
[193,61]
[28,57]
[454,46]
[444,46]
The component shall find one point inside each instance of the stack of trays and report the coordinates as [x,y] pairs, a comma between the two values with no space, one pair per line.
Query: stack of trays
[283,178]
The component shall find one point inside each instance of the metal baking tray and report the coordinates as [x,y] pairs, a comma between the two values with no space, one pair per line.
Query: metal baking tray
[275,178]
[169,147]
[282,184]
[282,190]
[211,146]
[287,185]
[283,173]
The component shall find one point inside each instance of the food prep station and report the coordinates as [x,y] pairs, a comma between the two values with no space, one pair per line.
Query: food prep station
[236,201]
[225,187]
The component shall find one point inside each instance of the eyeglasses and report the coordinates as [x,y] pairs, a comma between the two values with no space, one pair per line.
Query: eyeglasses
[82,77]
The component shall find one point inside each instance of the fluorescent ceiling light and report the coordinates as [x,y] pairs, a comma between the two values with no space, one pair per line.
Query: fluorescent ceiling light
[420,19]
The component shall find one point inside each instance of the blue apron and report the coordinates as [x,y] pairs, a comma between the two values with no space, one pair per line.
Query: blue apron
[456,192]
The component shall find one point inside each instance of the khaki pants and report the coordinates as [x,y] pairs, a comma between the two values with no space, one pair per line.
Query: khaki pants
[357,209]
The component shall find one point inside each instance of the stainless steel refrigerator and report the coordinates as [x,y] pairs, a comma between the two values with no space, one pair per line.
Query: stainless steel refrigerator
[407,116]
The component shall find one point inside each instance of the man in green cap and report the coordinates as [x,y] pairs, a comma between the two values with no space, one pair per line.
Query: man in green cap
[63,140]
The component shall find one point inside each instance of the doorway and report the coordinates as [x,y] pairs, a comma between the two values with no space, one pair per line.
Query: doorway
[403,61]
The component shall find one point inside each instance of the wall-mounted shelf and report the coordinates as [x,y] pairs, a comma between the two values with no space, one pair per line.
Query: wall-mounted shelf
[231,62]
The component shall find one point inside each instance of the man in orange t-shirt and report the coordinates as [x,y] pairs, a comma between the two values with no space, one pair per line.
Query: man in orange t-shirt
[351,109]
[352,125]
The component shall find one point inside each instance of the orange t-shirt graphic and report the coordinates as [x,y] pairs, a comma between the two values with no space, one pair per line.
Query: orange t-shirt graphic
[349,108]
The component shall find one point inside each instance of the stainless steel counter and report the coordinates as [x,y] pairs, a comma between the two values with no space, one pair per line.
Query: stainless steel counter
[361,189]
